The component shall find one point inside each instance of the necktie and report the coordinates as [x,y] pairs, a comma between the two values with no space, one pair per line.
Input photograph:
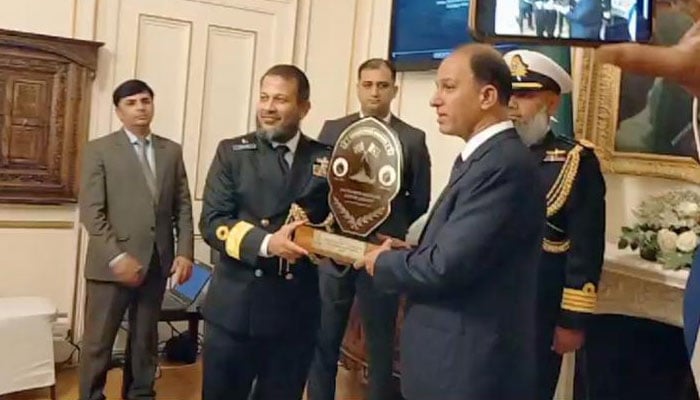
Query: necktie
[146,167]
[281,151]
[456,166]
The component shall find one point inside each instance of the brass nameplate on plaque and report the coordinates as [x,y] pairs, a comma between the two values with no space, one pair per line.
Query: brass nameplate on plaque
[339,248]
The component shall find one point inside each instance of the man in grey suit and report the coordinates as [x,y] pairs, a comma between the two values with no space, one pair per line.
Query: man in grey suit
[468,332]
[135,205]
[376,88]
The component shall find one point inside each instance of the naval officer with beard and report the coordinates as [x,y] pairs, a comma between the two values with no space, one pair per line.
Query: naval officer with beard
[574,242]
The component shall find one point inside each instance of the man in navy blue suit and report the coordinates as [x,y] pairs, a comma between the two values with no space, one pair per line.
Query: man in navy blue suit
[585,18]
[468,332]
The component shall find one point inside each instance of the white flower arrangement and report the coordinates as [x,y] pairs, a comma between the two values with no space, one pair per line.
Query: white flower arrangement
[667,229]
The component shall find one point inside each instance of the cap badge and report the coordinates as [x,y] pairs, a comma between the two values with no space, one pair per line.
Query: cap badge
[518,68]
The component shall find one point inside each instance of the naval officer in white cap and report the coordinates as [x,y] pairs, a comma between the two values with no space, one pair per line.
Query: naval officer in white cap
[572,249]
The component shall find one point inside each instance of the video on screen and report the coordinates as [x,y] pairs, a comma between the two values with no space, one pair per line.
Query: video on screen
[589,20]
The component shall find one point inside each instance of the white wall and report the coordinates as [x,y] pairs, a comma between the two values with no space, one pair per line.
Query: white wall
[40,244]
[204,58]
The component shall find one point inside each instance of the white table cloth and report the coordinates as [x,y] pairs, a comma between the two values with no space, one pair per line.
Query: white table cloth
[26,343]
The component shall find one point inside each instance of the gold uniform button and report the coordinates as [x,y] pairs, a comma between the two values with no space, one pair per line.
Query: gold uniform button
[264,222]
[222,232]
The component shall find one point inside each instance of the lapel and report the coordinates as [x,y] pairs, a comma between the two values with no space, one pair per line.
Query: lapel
[474,157]
[299,174]
[159,158]
[479,153]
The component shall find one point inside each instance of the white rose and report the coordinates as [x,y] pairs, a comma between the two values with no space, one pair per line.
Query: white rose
[687,241]
[667,240]
[688,209]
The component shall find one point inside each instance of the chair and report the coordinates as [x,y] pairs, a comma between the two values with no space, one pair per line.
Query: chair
[26,346]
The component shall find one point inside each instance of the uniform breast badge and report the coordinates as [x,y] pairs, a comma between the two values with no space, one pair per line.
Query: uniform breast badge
[320,167]
[555,155]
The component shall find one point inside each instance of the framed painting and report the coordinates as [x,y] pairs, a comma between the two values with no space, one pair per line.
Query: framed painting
[641,125]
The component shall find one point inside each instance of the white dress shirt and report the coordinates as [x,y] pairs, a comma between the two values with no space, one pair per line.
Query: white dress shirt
[482,136]
[292,144]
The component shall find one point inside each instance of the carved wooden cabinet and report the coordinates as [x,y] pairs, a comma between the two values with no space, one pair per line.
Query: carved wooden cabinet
[45,85]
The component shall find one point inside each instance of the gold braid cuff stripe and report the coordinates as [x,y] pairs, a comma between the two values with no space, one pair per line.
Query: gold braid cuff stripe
[551,246]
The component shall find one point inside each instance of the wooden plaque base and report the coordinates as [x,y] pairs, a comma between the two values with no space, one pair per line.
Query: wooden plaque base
[339,248]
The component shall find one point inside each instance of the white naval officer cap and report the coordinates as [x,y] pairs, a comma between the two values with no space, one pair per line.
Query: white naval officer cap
[533,71]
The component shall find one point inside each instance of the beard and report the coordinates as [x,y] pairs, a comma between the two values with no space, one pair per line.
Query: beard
[533,130]
[279,134]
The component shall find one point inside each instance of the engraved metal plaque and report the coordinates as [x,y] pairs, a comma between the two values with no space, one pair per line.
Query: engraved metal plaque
[364,176]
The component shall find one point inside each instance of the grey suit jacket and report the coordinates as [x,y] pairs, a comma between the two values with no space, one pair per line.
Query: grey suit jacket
[117,209]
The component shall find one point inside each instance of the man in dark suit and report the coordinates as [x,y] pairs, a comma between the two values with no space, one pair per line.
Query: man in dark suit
[574,240]
[468,332]
[376,88]
[585,18]
[545,18]
[262,306]
[134,203]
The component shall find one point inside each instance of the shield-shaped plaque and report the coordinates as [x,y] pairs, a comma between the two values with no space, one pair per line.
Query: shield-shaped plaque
[364,176]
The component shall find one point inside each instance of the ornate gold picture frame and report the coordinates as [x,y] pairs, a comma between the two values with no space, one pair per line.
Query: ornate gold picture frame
[599,99]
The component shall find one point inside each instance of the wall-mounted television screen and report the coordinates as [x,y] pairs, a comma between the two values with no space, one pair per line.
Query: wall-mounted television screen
[423,32]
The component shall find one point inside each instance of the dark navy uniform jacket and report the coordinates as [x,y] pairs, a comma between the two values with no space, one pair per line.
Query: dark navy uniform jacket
[246,197]
[574,240]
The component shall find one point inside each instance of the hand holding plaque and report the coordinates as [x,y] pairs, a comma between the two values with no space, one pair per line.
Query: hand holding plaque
[364,176]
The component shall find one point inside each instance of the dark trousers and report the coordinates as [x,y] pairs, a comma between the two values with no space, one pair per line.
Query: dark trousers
[378,311]
[279,365]
[525,14]
[106,304]
[545,21]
